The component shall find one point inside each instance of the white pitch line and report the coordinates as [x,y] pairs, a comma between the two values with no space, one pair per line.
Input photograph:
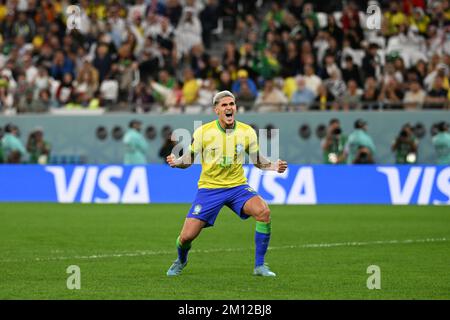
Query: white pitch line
[167,252]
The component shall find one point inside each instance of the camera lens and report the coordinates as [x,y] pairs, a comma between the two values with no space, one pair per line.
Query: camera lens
[403,133]
[337,131]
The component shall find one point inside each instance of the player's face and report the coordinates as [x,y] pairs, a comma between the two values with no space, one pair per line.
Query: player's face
[226,109]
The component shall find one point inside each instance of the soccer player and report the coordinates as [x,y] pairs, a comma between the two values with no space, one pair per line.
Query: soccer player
[222,145]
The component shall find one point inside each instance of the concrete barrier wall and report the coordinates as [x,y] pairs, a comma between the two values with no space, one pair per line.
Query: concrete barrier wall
[76,135]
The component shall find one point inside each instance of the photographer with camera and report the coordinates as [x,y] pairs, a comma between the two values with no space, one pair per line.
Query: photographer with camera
[37,147]
[363,156]
[405,146]
[12,148]
[333,144]
[360,148]
[441,143]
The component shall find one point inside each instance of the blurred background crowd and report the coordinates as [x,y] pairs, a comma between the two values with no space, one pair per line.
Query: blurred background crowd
[174,55]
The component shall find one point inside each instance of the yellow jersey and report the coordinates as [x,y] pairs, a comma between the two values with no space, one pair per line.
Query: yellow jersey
[222,153]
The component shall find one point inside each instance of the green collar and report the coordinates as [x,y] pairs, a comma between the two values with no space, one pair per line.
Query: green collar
[222,129]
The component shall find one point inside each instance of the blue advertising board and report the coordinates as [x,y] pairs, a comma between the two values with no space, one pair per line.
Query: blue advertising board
[300,184]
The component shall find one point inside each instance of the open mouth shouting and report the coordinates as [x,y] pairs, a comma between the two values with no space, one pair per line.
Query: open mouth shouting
[229,116]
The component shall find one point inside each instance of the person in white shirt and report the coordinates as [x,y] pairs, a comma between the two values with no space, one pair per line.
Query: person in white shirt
[415,96]
[312,81]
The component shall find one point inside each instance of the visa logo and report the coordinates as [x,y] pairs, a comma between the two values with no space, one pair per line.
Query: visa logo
[403,194]
[108,181]
[301,191]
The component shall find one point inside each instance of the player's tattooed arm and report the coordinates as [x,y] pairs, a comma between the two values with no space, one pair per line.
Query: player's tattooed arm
[183,162]
[263,163]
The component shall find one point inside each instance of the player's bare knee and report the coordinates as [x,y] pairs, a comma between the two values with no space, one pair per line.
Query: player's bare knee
[186,238]
[264,215]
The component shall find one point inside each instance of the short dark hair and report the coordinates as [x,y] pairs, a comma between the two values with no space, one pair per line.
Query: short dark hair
[134,122]
[442,126]
[360,123]
[333,120]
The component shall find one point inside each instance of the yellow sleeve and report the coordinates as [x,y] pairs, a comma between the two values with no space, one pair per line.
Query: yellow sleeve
[253,146]
[197,141]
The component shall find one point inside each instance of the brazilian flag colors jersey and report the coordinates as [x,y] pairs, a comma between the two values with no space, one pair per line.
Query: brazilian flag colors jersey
[222,153]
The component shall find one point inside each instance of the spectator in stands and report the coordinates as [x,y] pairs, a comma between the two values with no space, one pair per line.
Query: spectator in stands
[225,82]
[38,148]
[312,81]
[291,64]
[303,97]
[334,143]
[371,94]
[128,76]
[246,98]
[25,102]
[391,95]
[172,97]
[325,100]
[206,94]
[371,63]
[350,71]
[405,146]
[190,87]
[166,80]
[6,97]
[142,98]
[352,96]
[13,149]
[420,20]
[271,98]
[66,91]
[109,88]
[336,86]
[231,55]
[199,61]
[41,82]
[437,97]
[61,66]
[329,67]
[102,61]
[188,32]
[441,144]
[359,147]
[136,147]
[24,27]
[87,83]
[42,103]
[229,10]
[415,96]
[243,77]
[394,18]
[173,11]
[209,18]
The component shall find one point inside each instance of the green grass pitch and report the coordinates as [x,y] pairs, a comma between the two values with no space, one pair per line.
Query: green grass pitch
[318,252]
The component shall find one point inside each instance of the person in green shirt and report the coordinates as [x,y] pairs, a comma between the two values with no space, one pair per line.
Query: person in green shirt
[441,144]
[333,144]
[135,145]
[360,147]
[37,147]
[405,146]
[12,148]
[1,152]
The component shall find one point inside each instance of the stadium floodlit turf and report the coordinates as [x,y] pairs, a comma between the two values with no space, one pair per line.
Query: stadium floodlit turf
[318,252]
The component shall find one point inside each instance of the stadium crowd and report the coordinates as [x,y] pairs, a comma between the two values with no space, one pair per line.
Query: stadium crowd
[285,55]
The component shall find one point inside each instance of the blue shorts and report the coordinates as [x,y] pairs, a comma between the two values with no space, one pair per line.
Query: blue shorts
[208,202]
